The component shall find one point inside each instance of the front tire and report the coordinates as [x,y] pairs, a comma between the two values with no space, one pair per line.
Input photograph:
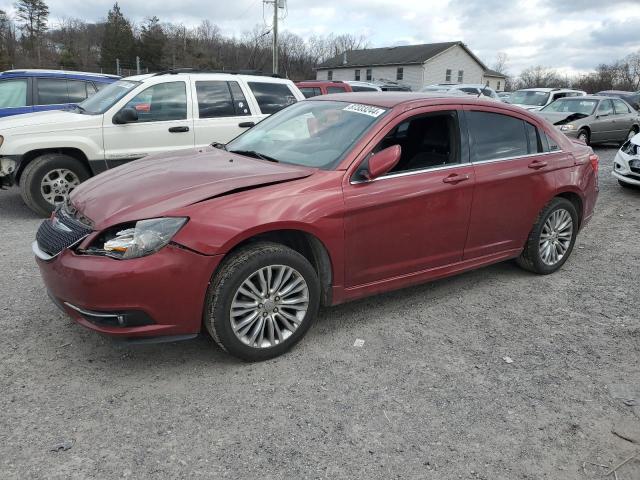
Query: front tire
[262,301]
[551,239]
[48,180]
[583,136]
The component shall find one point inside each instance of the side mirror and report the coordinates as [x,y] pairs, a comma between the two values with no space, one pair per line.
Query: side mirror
[126,115]
[382,162]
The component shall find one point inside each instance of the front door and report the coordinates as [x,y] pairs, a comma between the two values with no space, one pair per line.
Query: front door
[414,218]
[515,177]
[164,124]
[602,128]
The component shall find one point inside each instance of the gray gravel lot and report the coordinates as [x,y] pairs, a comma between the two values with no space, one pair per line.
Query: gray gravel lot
[428,396]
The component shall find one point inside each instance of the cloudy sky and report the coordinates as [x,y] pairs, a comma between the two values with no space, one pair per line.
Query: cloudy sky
[573,36]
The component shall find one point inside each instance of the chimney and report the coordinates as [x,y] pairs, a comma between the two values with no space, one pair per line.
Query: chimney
[344,58]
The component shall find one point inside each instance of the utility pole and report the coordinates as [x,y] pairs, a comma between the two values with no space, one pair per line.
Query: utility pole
[137,65]
[276,5]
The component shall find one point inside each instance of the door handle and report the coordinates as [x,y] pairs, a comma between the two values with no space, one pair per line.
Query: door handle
[246,124]
[455,178]
[179,129]
[536,164]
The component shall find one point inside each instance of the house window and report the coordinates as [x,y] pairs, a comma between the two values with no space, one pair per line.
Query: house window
[447,78]
[498,85]
[369,76]
[330,75]
[399,73]
[460,76]
[357,76]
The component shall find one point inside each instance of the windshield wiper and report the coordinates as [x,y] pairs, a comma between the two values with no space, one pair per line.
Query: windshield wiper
[253,153]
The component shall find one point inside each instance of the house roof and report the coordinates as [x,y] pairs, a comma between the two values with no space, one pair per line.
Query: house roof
[402,55]
[492,73]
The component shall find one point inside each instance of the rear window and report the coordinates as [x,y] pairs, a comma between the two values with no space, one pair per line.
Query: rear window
[13,93]
[272,97]
[220,99]
[495,136]
[336,90]
[309,92]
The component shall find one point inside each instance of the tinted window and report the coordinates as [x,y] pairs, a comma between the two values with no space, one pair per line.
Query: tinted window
[77,90]
[361,88]
[13,93]
[620,107]
[496,136]
[605,108]
[272,97]
[162,102]
[220,99]
[52,91]
[309,92]
[336,90]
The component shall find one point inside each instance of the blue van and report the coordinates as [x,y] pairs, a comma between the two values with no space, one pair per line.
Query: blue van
[26,91]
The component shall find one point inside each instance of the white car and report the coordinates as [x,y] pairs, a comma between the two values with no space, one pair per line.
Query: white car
[358,86]
[467,88]
[626,165]
[534,99]
[49,153]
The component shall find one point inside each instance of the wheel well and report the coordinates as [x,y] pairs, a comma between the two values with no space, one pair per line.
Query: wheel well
[575,199]
[306,245]
[71,152]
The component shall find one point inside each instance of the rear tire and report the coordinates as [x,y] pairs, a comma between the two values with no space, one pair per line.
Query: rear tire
[48,179]
[256,324]
[551,239]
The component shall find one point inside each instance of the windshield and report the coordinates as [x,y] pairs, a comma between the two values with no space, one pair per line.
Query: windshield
[566,105]
[105,98]
[434,89]
[529,97]
[309,133]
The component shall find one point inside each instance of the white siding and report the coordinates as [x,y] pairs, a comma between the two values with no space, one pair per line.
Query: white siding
[455,59]
[493,83]
[412,74]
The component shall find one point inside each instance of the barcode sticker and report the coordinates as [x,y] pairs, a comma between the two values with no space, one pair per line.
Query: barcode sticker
[364,109]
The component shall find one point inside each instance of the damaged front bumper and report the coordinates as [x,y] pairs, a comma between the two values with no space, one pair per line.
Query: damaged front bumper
[8,169]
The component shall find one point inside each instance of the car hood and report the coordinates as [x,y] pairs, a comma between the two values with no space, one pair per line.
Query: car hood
[158,184]
[560,118]
[51,120]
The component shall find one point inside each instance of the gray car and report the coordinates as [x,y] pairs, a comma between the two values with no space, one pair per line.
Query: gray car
[593,118]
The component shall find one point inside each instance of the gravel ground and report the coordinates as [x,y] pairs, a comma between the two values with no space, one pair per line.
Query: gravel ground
[427,396]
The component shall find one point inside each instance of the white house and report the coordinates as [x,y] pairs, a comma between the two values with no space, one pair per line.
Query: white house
[412,65]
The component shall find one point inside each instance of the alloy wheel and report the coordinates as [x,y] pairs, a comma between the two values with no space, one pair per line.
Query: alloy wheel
[269,306]
[57,184]
[556,236]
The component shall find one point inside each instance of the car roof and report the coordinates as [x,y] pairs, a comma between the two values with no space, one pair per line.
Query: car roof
[545,89]
[214,75]
[35,72]
[395,99]
[320,83]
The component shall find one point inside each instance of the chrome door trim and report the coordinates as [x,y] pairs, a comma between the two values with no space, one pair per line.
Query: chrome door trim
[504,159]
[410,173]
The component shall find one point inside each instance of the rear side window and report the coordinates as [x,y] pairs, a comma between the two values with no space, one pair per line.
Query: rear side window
[336,89]
[13,93]
[162,102]
[534,142]
[52,91]
[605,108]
[496,136]
[309,92]
[220,99]
[621,107]
[272,97]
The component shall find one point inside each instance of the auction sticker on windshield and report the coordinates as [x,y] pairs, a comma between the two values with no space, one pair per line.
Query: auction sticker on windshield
[364,109]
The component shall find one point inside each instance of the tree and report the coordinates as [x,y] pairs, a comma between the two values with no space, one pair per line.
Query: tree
[117,41]
[34,15]
[539,76]
[7,40]
[152,42]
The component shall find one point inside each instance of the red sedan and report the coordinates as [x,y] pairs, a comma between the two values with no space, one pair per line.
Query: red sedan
[329,200]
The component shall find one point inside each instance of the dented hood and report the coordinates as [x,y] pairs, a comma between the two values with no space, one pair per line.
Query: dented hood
[155,185]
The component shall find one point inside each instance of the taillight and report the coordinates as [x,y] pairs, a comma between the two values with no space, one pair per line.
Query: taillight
[595,162]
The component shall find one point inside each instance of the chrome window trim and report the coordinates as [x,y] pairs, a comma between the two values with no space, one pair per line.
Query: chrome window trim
[504,159]
[408,173]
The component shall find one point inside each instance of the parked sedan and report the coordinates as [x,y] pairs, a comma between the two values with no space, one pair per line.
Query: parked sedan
[593,119]
[626,166]
[329,200]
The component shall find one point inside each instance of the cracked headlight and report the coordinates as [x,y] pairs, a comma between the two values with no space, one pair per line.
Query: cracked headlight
[138,239]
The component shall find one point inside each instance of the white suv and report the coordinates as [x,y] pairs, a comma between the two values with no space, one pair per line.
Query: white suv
[49,153]
[535,99]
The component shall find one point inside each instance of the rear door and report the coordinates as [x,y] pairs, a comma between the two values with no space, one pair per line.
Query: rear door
[514,179]
[165,123]
[623,121]
[15,96]
[221,110]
